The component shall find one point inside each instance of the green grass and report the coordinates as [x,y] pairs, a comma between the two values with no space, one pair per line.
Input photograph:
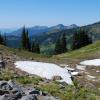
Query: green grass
[21,53]
[28,80]
[87,52]
[68,92]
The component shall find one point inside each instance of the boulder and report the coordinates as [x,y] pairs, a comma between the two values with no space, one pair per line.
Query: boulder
[35,92]
[29,97]
[2,92]
[54,78]
[9,97]
[5,86]
[16,88]
[2,64]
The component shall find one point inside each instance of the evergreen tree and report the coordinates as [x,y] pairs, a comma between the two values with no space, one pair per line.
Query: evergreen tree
[35,48]
[28,45]
[1,39]
[80,39]
[60,46]
[63,43]
[23,38]
[5,39]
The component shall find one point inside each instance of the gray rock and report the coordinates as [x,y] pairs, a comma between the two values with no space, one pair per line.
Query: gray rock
[5,86]
[15,87]
[54,78]
[29,97]
[9,97]
[2,92]
[2,64]
[35,92]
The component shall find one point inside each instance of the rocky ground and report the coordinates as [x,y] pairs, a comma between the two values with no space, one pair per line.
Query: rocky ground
[9,90]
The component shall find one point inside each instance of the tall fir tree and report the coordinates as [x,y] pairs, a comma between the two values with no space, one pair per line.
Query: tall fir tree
[24,38]
[63,43]
[5,39]
[60,46]
[1,39]
[28,44]
[35,47]
[80,39]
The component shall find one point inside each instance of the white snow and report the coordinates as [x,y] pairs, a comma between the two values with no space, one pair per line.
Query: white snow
[44,70]
[80,67]
[74,73]
[70,69]
[91,77]
[94,62]
[97,71]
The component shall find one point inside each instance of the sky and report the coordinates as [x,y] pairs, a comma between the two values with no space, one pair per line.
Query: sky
[16,13]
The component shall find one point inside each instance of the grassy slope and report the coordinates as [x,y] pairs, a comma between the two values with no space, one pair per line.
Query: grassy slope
[21,53]
[88,52]
[91,51]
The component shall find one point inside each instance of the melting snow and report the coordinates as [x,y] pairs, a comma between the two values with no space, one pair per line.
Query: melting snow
[80,67]
[94,62]
[91,77]
[45,70]
[74,73]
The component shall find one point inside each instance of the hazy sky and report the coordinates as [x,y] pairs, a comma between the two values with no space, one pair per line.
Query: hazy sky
[16,13]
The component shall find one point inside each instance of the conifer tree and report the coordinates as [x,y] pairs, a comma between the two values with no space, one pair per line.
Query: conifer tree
[28,45]
[5,39]
[63,43]
[60,46]
[23,38]
[80,39]
[35,47]
[1,39]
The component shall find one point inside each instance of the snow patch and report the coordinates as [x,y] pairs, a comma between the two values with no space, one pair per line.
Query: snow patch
[44,70]
[74,73]
[94,62]
[80,67]
[91,77]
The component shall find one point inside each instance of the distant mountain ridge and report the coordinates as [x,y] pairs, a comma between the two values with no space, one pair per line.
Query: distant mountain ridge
[48,35]
[37,30]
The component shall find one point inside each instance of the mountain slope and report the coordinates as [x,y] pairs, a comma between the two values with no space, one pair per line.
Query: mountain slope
[87,52]
[36,30]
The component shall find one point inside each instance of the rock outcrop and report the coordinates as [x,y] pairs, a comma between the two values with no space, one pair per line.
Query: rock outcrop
[9,90]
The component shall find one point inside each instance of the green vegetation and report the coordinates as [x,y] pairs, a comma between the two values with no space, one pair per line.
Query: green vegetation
[68,92]
[28,80]
[6,75]
[9,74]
[80,39]
[2,39]
[57,89]
[26,43]
[35,48]
[90,51]
[61,44]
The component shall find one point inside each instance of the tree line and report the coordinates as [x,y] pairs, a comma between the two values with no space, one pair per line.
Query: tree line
[80,39]
[27,44]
